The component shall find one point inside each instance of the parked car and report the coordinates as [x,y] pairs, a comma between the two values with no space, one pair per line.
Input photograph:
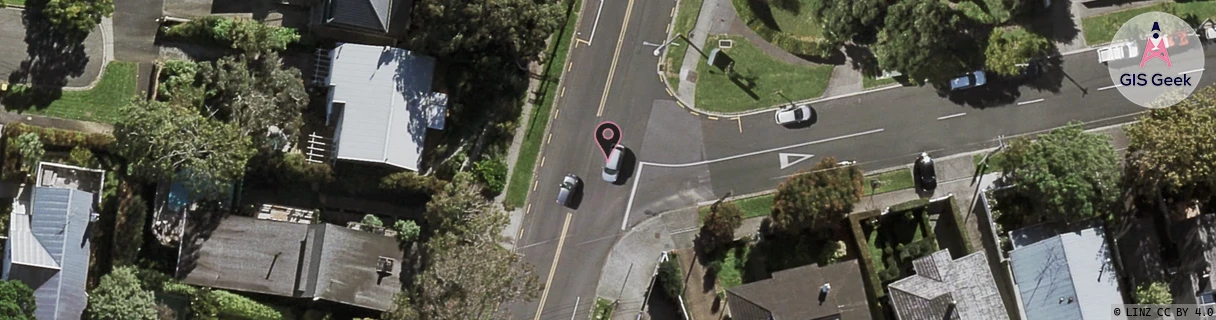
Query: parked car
[567,189]
[968,81]
[1118,51]
[612,168]
[924,173]
[793,115]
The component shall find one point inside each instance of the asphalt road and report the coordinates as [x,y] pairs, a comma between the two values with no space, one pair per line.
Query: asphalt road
[679,159]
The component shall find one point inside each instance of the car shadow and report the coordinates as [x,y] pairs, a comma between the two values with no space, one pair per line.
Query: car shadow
[576,197]
[628,166]
[998,91]
[804,124]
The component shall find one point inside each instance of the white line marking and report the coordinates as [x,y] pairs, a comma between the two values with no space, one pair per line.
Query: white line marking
[1191,71]
[1029,102]
[956,115]
[785,159]
[1109,87]
[596,24]
[642,164]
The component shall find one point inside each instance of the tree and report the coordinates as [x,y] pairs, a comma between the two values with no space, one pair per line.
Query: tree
[371,221]
[459,201]
[671,278]
[1066,174]
[120,296]
[31,149]
[816,199]
[255,94]
[921,39]
[16,300]
[1007,49]
[77,16]
[719,226]
[472,28]
[164,142]
[1154,293]
[407,230]
[1173,151]
[845,20]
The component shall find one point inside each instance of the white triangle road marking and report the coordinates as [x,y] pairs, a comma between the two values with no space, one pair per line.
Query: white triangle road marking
[798,157]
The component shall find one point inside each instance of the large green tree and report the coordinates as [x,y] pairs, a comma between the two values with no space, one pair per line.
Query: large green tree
[922,39]
[16,300]
[1064,175]
[719,226]
[1173,150]
[77,16]
[255,94]
[1154,293]
[164,142]
[29,145]
[1007,49]
[120,296]
[816,199]
[457,209]
[844,20]
[467,28]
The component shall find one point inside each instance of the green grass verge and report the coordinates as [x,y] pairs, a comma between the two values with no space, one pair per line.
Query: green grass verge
[757,206]
[891,181]
[525,163]
[13,2]
[100,104]
[798,20]
[870,82]
[732,264]
[686,20]
[758,79]
[603,309]
[994,162]
[1101,29]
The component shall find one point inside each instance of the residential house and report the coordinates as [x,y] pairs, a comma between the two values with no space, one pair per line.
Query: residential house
[811,292]
[48,238]
[1064,276]
[948,289]
[307,261]
[380,101]
[377,22]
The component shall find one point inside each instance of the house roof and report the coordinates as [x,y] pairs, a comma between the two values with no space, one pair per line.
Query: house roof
[320,261]
[939,281]
[50,250]
[367,14]
[386,103]
[1073,265]
[793,295]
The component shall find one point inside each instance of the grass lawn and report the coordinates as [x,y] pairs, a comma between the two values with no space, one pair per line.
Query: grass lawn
[521,178]
[1101,29]
[794,19]
[757,206]
[891,181]
[994,162]
[733,262]
[758,78]
[115,90]
[14,2]
[686,19]
[870,82]
[603,309]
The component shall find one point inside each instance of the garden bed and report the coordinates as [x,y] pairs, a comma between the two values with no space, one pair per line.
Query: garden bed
[895,239]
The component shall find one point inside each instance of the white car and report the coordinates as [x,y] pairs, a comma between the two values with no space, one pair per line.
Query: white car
[793,115]
[612,168]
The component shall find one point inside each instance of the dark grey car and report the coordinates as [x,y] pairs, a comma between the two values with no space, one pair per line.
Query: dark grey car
[565,191]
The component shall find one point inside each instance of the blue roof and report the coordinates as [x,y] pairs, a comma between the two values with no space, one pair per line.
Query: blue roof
[1068,276]
[58,220]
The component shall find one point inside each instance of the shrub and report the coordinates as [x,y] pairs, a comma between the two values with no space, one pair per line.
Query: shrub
[407,230]
[175,76]
[242,34]
[493,172]
[671,278]
[82,157]
[29,145]
[409,181]
[128,236]
[909,205]
[233,305]
[371,221]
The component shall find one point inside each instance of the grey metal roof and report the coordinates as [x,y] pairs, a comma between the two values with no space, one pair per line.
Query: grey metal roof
[939,281]
[369,14]
[1072,265]
[294,260]
[55,229]
[386,97]
[793,295]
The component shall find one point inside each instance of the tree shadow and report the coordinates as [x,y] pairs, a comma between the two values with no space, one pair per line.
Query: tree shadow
[764,13]
[1054,22]
[791,6]
[747,83]
[997,92]
[53,56]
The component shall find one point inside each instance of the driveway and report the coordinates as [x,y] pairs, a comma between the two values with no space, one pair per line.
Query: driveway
[50,61]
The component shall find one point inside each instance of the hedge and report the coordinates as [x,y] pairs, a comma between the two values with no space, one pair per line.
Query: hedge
[960,227]
[51,138]
[671,277]
[910,205]
[872,281]
[233,305]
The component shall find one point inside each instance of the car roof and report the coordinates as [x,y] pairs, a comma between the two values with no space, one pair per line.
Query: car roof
[786,115]
[980,78]
[614,158]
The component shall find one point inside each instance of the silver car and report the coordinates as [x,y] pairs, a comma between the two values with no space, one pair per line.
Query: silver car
[793,115]
[566,190]
[612,168]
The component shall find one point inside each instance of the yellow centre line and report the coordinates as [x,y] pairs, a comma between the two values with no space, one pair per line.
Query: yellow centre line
[556,256]
[615,57]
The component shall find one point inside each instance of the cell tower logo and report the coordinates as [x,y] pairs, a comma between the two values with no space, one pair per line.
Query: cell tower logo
[1170,64]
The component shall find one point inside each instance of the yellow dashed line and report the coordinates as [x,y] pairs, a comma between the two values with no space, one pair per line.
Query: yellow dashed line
[542,162]
[529,209]
[563,92]
[550,138]
[694,113]
[670,93]
[673,12]
[555,114]
[534,184]
[740,124]
[713,118]
[681,104]
[569,66]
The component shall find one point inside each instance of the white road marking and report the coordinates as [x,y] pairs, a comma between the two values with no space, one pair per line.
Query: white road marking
[1191,71]
[642,165]
[1029,102]
[956,115]
[596,24]
[786,162]
[1109,87]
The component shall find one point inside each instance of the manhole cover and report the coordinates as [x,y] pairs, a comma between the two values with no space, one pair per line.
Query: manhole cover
[726,44]
[657,235]
[692,77]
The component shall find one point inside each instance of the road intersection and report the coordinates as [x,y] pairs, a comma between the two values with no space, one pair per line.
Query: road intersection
[681,157]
